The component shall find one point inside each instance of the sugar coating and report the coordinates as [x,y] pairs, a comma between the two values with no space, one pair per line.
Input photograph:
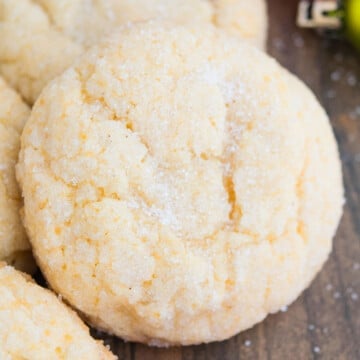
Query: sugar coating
[179,185]
[41,38]
[14,246]
[36,325]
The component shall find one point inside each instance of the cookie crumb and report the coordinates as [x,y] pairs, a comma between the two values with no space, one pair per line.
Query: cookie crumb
[329,287]
[351,79]
[247,343]
[335,75]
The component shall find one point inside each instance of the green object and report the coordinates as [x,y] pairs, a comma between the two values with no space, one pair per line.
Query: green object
[352,21]
[349,13]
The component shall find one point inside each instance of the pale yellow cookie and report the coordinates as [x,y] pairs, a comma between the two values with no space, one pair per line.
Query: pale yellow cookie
[39,39]
[35,324]
[179,185]
[14,246]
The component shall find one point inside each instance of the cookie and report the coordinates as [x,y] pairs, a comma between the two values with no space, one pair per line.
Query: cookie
[40,39]
[179,185]
[35,324]
[14,246]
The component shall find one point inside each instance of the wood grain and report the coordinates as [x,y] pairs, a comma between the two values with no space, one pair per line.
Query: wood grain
[324,323]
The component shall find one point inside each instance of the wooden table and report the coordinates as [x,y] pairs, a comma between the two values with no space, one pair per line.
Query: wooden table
[324,323]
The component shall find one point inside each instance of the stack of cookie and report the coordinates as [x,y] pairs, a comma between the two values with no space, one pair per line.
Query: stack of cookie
[177,184]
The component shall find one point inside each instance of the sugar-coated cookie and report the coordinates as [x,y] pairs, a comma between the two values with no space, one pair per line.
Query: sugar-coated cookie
[179,185]
[39,39]
[14,246]
[35,324]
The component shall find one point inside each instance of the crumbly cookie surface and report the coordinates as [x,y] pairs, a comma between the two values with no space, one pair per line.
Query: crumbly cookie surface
[41,38]
[179,185]
[35,324]
[14,246]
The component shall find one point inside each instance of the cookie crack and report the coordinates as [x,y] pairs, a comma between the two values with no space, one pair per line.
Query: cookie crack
[235,212]
[45,11]
[9,125]
[229,153]
[228,157]
[214,17]
[299,195]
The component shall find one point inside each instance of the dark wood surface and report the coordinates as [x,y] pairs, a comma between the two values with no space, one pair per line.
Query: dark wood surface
[324,323]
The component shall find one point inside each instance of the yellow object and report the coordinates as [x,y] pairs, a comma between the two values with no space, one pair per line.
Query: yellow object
[352,21]
[35,324]
[14,245]
[40,39]
[179,184]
